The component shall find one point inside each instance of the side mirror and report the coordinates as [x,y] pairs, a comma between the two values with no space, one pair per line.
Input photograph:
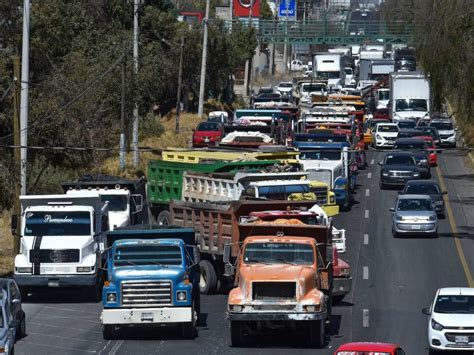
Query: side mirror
[392,209]
[426,311]
[196,254]
[380,163]
[138,202]
[14,223]
[227,252]
[444,193]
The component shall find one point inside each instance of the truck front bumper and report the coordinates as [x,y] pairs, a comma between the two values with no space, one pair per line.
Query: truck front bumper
[146,315]
[341,286]
[331,210]
[55,280]
[275,316]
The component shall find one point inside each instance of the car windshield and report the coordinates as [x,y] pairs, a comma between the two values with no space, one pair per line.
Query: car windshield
[285,85]
[399,160]
[320,155]
[132,255]
[422,189]
[57,223]
[279,253]
[442,126]
[207,126]
[454,304]
[414,204]
[409,145]
[411,105]
[406,124]
[117,203]
[364,352]
[281,192]
[386,128]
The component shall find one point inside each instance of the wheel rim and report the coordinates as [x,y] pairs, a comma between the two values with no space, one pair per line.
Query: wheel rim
[202,281]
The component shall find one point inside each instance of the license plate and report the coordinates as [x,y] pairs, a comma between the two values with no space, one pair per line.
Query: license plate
[461,339]
[206,140]
[415,227]
[147,317]
[53,283]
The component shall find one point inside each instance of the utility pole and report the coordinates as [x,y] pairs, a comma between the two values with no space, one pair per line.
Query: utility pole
[16,152]
[180,80]
[25,68]
[122,110]
[285,47]
[202,84]
[135,72]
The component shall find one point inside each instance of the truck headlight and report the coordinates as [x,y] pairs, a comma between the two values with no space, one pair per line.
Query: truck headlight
[332,199]
[345,272]
[84,269]
[111,297]
[181,296]
[311,308]
[436,326]
[24,270]
[235,308]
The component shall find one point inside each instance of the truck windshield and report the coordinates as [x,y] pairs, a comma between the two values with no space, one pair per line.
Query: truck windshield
[276,253]
[320,155]
[328,74]
[384,95]
[320,175]
[117,203]
[57,223]
[281,192]
[411,105]
[308,88]
[132,255]
[455,304]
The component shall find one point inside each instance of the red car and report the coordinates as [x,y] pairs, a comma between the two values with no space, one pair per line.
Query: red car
[432,156]
[207,134]
[369,349]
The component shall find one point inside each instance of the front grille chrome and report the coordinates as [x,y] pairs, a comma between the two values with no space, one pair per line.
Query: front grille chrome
[146,293]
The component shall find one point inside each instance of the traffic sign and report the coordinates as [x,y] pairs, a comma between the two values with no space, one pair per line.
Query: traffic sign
[287,6]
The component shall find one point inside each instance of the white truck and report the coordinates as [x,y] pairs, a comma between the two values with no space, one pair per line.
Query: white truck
[330,66]
[382,98]
[410,96]
[61,241]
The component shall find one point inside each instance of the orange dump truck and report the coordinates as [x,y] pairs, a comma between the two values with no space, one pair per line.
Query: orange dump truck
[284,278]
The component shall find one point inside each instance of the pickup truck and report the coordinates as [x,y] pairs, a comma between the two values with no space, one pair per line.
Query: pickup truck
[153,279]
[283,278]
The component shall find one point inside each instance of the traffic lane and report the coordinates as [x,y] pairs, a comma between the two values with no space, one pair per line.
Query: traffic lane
[404,274]
[459,181]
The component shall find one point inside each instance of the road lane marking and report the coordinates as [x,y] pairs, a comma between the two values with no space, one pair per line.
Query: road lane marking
[372,162]
[367,192]
[366,214]
[366,239]
[369,175]
[365,318]
[365,272]
[454,229]
[116,347]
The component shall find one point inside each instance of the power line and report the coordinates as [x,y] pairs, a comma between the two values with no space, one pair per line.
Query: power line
[7,91]
[71,102]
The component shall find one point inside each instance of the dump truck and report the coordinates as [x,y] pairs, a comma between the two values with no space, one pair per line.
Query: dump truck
[284,278]
[153,279]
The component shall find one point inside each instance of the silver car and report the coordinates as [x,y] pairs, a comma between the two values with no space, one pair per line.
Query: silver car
[7,326]
[414,214]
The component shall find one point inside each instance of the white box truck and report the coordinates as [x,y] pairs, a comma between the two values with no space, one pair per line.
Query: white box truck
[330,66]
[410,96]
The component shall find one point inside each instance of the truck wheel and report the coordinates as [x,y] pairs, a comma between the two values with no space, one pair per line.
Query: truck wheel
[164,218]
[108,331]
[317,333]
[346,204]
[208,278]
[236,333]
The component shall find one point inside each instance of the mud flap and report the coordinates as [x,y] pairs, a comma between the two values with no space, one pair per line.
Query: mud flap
[35,255]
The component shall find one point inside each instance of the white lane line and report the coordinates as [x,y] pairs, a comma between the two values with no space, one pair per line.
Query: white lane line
[366,239]
[365,272]
[367,192]
[366,214]
[372,162]
[116,347]
[365,318]
[369,175]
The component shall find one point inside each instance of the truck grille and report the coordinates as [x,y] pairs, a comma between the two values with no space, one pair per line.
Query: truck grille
[146,293]
[273,291]
[55,256]
[321,195]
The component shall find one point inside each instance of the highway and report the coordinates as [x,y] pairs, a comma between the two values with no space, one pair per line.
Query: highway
[393,279]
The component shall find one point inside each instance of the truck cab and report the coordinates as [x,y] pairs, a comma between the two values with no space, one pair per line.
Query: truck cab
[153,279]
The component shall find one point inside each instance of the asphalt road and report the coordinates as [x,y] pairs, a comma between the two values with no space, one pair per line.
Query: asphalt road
[392,280]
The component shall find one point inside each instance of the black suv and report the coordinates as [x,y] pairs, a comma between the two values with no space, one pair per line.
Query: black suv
[419,149]
[397,169]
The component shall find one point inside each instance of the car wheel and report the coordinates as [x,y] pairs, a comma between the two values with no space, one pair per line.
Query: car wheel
[21,331]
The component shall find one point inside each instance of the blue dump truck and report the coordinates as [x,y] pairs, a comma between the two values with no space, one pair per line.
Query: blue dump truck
[153,279]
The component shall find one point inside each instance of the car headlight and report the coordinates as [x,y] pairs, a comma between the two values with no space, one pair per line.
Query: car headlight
[436,326]
[378,137]
[181,296]
[111,297]
[423,161]
[398,217]
[235,308]
[416,173]
[24,270]
[433,217]
[385,173]
[84,269]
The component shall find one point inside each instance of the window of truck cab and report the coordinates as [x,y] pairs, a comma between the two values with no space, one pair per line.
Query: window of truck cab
[57,223]
[147,255]
[279,253]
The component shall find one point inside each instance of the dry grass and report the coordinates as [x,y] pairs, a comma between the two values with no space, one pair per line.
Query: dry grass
[6,245]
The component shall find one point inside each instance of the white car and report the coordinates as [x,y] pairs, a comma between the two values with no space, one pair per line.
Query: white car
[451,323]
[447,133]
[284,88]
[384,135]
[297,65]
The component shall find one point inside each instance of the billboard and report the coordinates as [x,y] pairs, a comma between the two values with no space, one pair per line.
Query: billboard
[287,6]
[242,8]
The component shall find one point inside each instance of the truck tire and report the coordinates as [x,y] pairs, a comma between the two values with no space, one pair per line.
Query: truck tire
[317,333]
[188,329]
[346,204]
[208,278]
[108,331]
[164,218]
[236,333]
